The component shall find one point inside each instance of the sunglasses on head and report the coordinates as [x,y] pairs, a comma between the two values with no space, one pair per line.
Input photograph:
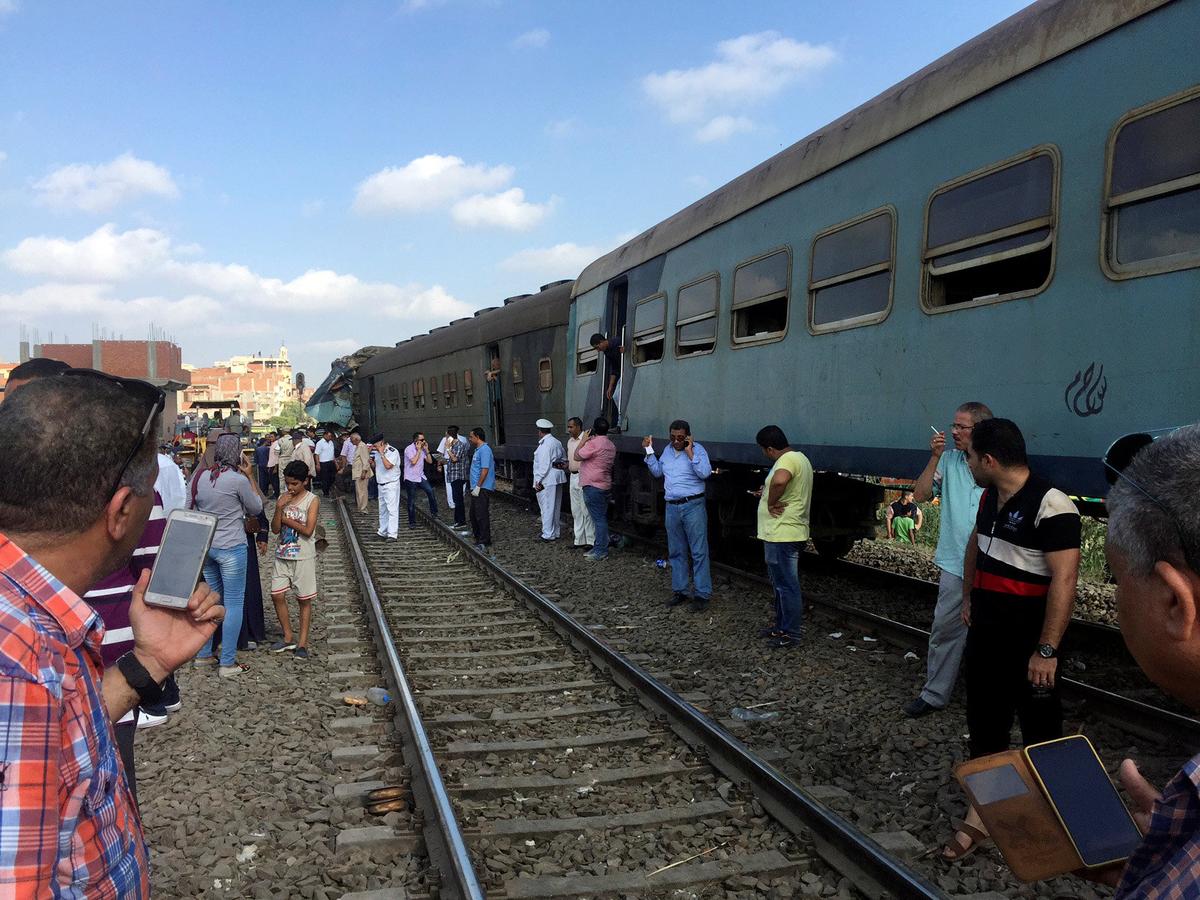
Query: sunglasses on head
[154,398]
[1117,459]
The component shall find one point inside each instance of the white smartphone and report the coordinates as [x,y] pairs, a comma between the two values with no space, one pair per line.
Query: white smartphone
[181,554]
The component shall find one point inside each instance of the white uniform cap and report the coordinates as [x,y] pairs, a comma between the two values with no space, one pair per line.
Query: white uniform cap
[544,424]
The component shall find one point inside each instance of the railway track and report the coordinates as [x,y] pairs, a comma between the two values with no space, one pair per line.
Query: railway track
[547,764]
[1115,687]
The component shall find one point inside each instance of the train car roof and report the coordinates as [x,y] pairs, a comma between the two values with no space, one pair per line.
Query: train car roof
[527,312]
[1033,36]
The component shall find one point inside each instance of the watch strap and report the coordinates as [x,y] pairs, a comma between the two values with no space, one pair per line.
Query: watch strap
[148,690]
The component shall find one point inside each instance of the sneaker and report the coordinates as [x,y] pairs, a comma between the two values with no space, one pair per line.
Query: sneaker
[919,708]
[771,631]
[784,643]
[231,671]
[147,719]
[201,661]
[481,548]
[678,598]
[251,645]
[280,646]
[172,707]
[595,557]
[300,653]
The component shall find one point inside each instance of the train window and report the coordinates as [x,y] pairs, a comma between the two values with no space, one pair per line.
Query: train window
[989,236]
[518,379]
[418,394]
[696,317]
[393,394]
[649,329]
[468,386]
[585,357]
[545,374]
[1152,206]
[433,390]
[850,280]
[404,395]
[450,388]
[760,298]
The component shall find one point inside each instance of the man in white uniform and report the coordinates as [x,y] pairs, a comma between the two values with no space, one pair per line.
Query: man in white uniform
[387,477]
[547,477]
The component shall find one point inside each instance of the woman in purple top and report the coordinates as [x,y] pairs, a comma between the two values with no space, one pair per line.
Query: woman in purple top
[227,489]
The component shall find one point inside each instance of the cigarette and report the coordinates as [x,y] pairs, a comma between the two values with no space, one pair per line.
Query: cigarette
[935,431]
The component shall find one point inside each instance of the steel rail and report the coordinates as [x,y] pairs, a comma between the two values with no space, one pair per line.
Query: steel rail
[840,843]
[444,840]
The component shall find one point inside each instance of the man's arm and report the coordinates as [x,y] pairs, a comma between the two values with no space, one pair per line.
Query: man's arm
[779,481]
[701,464]
[416,456]
[581,449]
[1064,574]
[30,750]
[923,486]
[310,520]
[383,458]
[969,574]
[920,519]
[888,515]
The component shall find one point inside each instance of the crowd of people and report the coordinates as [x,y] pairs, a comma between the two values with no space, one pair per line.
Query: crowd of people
[81,651]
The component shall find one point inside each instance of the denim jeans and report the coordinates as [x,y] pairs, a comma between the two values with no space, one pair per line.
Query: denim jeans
[687,532]
[782,561]
[410,490]
[225,572]
[596,502]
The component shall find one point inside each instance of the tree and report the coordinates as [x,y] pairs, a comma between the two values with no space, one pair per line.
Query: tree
[290,415]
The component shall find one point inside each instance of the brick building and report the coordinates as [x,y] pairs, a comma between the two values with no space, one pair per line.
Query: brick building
[260,384]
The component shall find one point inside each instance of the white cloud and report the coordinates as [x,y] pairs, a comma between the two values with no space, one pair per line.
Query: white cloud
[564,260]
[99,188]
[563,128]
[97,303]
[721,128]
[332,347]
[427,183]
[104,255]
[748,70]
[509,210]
[537,38]
[8,7]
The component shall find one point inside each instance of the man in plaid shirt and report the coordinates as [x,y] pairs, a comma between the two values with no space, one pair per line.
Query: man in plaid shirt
[1154,553]
[76,494]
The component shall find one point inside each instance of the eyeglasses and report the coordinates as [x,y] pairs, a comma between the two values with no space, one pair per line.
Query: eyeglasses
[1118,457]
[154,397]
[957,427]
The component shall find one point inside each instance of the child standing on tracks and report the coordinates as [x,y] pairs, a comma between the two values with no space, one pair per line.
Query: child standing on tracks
[295,521]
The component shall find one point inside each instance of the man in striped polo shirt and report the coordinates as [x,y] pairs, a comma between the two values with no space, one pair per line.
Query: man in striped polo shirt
[1021,565]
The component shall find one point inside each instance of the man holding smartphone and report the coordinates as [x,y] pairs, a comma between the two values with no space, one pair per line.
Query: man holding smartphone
[387,478]
[684,467]
[416,457]
[70,825]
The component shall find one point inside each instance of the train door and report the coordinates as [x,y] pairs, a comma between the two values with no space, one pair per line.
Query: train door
[495,398]
[618,308]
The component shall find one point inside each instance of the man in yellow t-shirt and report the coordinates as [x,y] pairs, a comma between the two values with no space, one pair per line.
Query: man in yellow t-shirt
[783,507]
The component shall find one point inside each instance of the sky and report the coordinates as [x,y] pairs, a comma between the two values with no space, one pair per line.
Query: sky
[341,173]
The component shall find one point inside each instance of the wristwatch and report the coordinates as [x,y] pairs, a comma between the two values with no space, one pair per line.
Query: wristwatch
[1047,651]
[148,690]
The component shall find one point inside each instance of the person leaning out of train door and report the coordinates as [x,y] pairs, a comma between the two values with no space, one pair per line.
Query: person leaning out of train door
[785,500]
[596,455]
[388,468]
[611,351]
[585,532]
[684,467]
[482,480]
[948,477]
[1019,576]
[548,477]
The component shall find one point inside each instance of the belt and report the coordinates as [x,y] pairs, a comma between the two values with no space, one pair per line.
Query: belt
[684,499]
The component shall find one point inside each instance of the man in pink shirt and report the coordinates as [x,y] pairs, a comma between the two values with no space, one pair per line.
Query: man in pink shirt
[416,455]
[596,455]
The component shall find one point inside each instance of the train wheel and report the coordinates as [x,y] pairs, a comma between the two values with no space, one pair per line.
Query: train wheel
[834,547]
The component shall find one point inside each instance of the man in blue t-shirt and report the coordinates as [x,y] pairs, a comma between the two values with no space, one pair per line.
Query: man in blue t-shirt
[948,477]
[482,482]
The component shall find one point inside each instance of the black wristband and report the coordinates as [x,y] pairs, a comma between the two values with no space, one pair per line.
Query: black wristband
[148,690]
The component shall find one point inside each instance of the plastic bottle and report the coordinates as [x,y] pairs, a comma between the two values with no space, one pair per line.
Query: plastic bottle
[750,715]
[379,696]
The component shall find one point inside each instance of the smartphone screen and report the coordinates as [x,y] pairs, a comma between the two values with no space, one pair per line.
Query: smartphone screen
[993,785]
[1091,809]
[180,555]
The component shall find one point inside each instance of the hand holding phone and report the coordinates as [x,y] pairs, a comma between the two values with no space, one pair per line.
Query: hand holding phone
[180,559]
[166,638]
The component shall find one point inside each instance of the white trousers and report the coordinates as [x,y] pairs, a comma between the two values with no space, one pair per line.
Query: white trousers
[585,531]
[547,499]
[449,495]
[389,509]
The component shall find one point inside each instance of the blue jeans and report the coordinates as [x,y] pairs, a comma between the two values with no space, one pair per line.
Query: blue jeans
[596,502]
[225,572]
[687,531]
[410,491]
[782,562]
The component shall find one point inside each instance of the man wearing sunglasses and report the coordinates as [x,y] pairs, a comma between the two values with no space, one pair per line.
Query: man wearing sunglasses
[1153,550]
[66,521]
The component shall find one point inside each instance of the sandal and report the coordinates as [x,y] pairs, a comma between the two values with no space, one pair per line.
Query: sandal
[954,850]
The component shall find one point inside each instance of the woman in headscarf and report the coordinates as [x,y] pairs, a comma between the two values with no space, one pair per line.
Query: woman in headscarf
[226,488]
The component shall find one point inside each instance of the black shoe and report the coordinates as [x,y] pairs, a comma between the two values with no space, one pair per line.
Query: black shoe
[771,631]
[919,708]
[699,604]
[678,598]
[785,642]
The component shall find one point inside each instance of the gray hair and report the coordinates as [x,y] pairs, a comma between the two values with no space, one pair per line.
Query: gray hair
[1145,531]
[62,441]
[976,410]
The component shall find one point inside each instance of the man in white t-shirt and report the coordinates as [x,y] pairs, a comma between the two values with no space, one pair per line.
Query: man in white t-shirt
[170,484]
[325,451]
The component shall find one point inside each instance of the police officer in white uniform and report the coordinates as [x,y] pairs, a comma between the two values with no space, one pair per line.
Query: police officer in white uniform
[548,477]
[387,477]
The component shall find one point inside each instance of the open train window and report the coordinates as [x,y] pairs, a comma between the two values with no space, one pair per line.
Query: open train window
[518,379]
[696,317]
[468,386]
[586,359]
[450,389]
[545,374]
[989,236]
[1152,201]
[404,395]
[418,394]
[392,397]
[850,279]
[433,390]
[760,298]
[649,329]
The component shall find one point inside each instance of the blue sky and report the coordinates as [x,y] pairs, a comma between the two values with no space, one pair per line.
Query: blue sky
[335,174]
